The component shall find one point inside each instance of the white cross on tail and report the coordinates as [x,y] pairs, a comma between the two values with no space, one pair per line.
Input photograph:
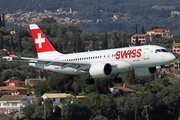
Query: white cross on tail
[40,40]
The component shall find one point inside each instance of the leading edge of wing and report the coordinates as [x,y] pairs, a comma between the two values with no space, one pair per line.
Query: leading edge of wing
[51,60]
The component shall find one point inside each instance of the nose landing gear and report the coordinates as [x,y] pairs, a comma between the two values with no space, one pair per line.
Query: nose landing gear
[160,74]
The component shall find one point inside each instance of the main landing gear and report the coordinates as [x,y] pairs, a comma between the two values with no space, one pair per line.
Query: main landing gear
[117,80]
[90,81]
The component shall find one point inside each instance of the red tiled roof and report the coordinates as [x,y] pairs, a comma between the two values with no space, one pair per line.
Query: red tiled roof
[123,89]
[13,81]
[17,81]
[7,81]
[159,30]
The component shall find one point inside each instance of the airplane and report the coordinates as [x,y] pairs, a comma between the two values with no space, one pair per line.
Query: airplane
[97,64]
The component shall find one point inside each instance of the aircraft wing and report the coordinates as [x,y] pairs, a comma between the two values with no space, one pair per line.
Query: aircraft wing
[46,62]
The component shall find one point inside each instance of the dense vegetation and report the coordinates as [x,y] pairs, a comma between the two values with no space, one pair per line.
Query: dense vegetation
[159,96]
[130,12]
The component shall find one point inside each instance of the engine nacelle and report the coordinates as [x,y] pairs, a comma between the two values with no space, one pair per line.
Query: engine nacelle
[145,71]
[100,70]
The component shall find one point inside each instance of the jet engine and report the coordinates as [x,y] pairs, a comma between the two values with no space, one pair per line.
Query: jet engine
[145,71]
[100,70]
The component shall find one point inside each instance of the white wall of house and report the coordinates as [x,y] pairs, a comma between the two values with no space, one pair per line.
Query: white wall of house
[14,105]
[56,101]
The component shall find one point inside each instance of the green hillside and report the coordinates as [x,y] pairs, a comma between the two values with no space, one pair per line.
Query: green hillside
[143,12]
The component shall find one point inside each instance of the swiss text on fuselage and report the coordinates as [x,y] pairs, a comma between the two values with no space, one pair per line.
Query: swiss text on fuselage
[128,54]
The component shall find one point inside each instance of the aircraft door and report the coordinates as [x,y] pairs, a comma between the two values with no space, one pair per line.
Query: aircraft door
[146,53]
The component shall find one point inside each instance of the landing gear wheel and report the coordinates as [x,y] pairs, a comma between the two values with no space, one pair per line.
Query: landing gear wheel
[89,81]
[117,80]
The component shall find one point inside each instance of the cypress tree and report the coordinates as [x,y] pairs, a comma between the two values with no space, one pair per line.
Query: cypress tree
[116,40]
[1,42]
[0,22]
[104,42]
[12,42]
[142,31]
[3,21]
[136,30]
[78,42]
[137,41]
[19,42]
[93,38]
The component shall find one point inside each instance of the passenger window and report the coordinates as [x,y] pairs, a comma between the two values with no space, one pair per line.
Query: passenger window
[158,50]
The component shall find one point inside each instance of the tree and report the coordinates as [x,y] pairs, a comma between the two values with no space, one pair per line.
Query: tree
[42,74]
[100,104]
[3,21]
[60,82]
[104,42]
[154,27]
[19,42]
[28,110]
[137,41]
[57,113]
[0,22]
[142,30]
[116,39]
[49,108]
[78,42]
[136,30]
[12,42]
[40,87]
[73,110]
[1,42]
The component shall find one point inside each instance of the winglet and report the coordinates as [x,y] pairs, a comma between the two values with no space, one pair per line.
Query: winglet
[10,54]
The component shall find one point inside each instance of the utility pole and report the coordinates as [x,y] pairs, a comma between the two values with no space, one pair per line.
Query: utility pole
[147,112]
[44,109]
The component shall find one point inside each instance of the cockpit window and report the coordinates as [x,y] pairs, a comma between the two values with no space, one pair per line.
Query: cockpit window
[158,50]
[165,50]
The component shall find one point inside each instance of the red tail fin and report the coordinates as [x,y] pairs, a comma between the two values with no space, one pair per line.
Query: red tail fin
[41,42]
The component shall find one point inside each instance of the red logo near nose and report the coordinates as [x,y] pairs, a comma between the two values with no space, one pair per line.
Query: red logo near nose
[131,53]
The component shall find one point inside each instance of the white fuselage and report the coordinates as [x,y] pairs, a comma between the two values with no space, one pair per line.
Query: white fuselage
[122,59]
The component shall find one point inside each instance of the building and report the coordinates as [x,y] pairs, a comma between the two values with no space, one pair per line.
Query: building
[10,103]
[144,39]
[99,20]
[13,91]
[162,32]
[14,83]
[176,48]
[4,117]
[116,17]
[7,58]
[59,97]
[33,99]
